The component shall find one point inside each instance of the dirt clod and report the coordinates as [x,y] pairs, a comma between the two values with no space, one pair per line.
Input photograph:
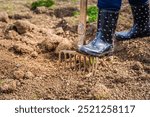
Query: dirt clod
[20,16]
[40,10]
[4,17]
[44,10]
[64,45]
[59,31]
[18,74]
[34,54]
[28,75]
[22,49]
[8,86]
[46,45]
[23,26]
[100,91]
[53,42]
[137,66]
[11,35]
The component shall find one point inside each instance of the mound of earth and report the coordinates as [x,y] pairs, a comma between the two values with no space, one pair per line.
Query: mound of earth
[29,38]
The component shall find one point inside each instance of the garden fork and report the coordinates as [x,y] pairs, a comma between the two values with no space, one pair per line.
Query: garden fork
[73,59]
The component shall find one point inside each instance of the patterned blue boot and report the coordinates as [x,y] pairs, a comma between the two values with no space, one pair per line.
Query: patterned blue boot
[103,42]
[141,26]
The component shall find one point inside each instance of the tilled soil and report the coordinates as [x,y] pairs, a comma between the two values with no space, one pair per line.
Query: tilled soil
[29,45]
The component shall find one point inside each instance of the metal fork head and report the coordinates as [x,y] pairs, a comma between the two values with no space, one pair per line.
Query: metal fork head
[73,60]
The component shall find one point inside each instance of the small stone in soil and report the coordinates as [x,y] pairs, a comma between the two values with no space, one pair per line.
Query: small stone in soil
[100,91]
[28,75]
[8,86]
[137,66]
[4,17]
[18,74]
[34,54]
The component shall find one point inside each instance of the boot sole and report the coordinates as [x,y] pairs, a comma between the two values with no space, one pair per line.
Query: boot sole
[126,39]
[108,53]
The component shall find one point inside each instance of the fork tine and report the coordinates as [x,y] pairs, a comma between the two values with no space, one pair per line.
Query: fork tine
[96,65]
[70,60]
[84,63]
[75,61]
[78,62]
[89,64]
[93,64]
[65,60]
[59,61]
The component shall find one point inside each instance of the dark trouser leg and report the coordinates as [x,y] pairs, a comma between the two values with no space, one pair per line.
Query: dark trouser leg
[137,2]
[113,5]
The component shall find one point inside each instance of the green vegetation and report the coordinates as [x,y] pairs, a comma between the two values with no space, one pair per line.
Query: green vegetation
[76,13]
[46,3]
[92,13]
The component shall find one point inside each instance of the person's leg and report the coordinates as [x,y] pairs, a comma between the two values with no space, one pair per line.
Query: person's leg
[107,20]
[141,16]
[137,2]
[113,5]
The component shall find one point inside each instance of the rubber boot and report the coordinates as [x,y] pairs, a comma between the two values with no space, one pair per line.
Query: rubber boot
[103,42]
[141,26]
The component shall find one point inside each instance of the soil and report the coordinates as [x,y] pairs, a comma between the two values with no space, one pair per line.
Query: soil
[29,45]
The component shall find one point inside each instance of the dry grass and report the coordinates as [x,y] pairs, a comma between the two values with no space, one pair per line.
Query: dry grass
[12,6]
[1,81]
